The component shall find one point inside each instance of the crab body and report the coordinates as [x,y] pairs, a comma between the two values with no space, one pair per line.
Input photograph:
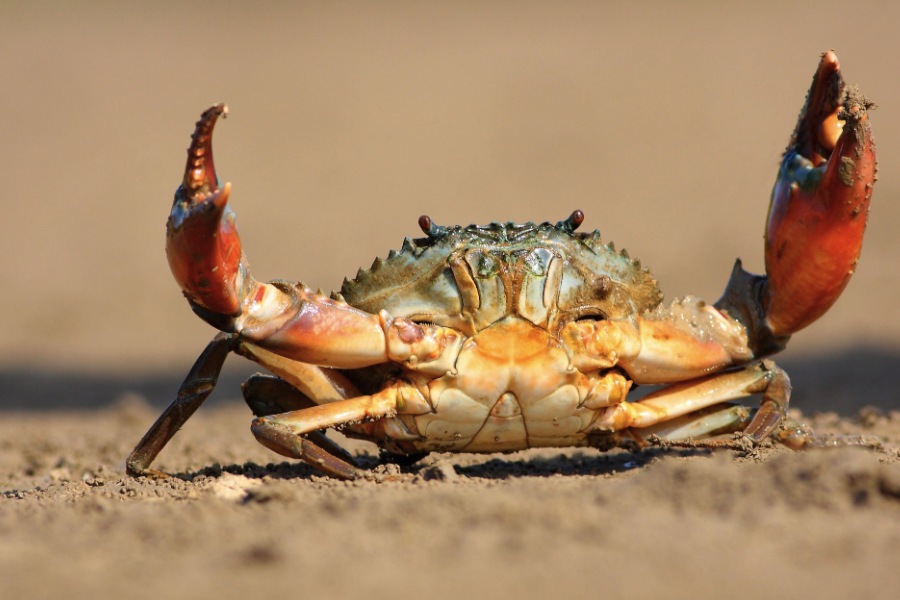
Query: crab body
[509,291]
[504,337]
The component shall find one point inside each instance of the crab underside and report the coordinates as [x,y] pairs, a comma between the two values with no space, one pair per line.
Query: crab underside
[506,336]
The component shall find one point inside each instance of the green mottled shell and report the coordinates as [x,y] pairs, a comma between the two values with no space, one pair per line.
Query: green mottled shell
[418,282]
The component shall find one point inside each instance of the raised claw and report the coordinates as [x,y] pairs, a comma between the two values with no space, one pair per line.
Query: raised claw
[202,242]
[820,203]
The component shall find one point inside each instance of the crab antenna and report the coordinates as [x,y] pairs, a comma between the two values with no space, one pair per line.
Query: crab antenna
[430,228]
[572,223]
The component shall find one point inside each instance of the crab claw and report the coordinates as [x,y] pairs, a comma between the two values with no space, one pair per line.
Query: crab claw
[202,242]
[820,203]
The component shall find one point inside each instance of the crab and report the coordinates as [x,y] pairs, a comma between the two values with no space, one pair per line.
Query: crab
[509,336]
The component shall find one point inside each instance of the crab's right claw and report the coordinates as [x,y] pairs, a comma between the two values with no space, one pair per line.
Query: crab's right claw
[202,242]
[819,206]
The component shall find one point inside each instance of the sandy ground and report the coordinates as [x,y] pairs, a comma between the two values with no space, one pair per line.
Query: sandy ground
[664,122]
[235,521]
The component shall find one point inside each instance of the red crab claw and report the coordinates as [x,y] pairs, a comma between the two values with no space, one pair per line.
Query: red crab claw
[820,203]
[202,242]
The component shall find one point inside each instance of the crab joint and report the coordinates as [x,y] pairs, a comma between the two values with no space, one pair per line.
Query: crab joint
[426,348]
[600,344]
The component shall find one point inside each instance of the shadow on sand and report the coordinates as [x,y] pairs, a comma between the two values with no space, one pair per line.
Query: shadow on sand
[585,464]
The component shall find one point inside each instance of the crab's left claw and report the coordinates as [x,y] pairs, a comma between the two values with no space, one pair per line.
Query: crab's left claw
[819,205]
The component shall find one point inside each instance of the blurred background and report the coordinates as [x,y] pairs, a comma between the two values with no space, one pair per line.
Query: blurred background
[664,122]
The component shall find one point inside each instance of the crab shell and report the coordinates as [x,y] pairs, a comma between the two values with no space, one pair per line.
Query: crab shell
[468,278]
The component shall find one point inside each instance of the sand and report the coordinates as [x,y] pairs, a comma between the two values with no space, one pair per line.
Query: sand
[233,520]
[663,122]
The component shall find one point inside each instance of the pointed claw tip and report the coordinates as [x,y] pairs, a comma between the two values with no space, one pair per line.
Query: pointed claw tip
[819,126]
[830,60]
[208,121]
[220,109]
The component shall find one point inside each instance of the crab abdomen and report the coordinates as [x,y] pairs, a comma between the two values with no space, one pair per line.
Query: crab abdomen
[514,388]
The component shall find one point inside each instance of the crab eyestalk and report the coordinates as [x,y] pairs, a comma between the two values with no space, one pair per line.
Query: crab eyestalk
[817,216]
[202,242]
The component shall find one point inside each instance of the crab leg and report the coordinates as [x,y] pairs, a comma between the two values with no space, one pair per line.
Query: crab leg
[711,421]
[199,383]
[311,383]
[284,433]
[684,398]
[381,404]
[322,385]
[271,395]
[817,218]
[267,395]
[303,448]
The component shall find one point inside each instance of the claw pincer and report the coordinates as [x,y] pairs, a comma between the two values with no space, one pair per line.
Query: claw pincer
[820,202]
[202,242]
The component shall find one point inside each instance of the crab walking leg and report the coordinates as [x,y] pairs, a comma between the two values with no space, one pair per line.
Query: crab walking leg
[283,433]
[728,418]
[321,385]
[381,404]
[267,395]
[300,386]
[199,383]
[684,398]
[303,448]
[304,386]
[706,422]
[687,341]
[270,395]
